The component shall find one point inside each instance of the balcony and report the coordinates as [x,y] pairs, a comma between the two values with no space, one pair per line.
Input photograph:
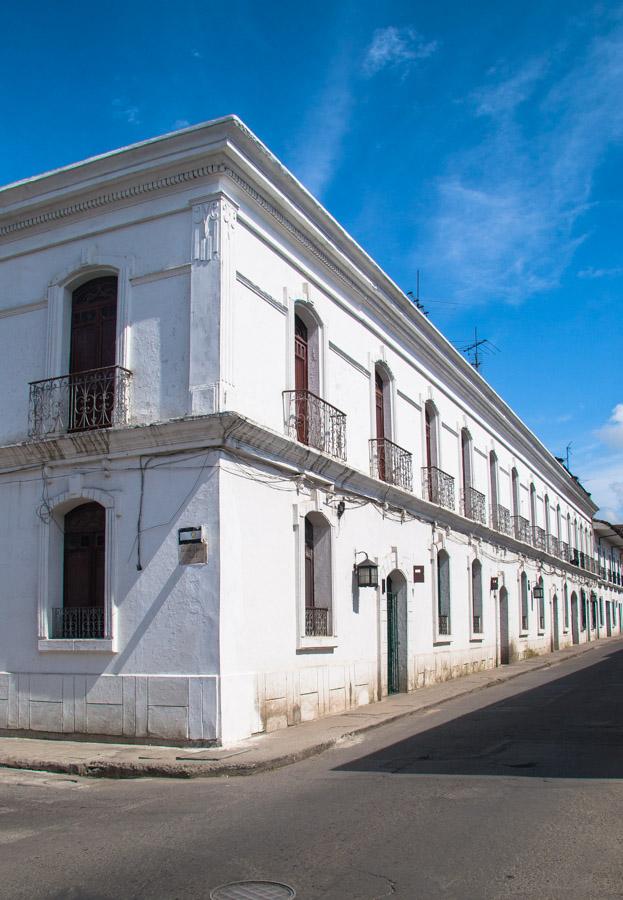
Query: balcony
[553,545]
[78,622]
[391,463]
[317,622]
[97,398]
[574,556]
[501,519]
[438,487]
[475,506]
[539,538]
[564,551]
[314,422]
[521,529]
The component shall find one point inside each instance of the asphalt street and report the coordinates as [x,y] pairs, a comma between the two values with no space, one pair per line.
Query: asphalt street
[515,791]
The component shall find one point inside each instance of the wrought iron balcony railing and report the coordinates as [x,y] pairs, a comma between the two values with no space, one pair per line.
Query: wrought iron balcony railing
[539,538]
[391,463]
[501,519]
[313,421]
[553,545]
[97,398]
[477,624]
[78,622]
[582,560]
[317,621]
[438,486]
[443,624]
[521,529]
[475,505]
[564,551]
[574,556]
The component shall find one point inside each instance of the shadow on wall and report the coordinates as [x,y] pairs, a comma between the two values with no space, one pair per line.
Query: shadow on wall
[569,728]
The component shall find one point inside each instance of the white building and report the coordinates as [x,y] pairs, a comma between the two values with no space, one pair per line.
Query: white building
[212,358]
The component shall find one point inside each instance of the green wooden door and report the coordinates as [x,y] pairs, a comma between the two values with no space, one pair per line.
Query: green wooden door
[392,643]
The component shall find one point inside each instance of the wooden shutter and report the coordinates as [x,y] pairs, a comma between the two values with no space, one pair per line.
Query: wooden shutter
[84,558]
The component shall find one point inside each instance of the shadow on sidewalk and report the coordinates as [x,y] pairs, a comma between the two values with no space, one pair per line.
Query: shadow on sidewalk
[569,728]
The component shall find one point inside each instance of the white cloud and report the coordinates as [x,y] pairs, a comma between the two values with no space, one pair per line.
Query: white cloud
[507,217]
[396,48]
[505,96]
[319,142]
[590,272]
[126,111]
[612,432]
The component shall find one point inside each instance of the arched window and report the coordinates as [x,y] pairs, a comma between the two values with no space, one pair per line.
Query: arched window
[533,520]
[84,560]
[477,624]
[443,593]
[381,458]
[515,491]
[566,604]
[523,593]
[558,523]
[494,486]
[307,350]
[541,605]
[432,478]
[318,576]
[466,473]
[546,508]
[92,354]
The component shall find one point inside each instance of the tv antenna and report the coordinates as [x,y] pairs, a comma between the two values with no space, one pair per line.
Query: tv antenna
[416,300]
[476,349]
[568,455]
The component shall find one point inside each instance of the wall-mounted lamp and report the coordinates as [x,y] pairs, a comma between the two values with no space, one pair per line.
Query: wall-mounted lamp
[537,592]
[367,571]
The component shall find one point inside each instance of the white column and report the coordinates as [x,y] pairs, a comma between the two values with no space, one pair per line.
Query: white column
[212,282]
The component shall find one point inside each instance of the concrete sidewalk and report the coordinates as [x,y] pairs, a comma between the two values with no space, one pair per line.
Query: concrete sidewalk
[264,752]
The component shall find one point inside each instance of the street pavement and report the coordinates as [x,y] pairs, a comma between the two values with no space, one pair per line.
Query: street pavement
[511,792]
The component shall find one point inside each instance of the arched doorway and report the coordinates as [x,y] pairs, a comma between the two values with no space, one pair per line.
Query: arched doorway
[397,659]
[504,635]
[92,354]
[555,640]
[575,626]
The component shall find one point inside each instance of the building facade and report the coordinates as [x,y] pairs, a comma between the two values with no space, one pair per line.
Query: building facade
[215,407]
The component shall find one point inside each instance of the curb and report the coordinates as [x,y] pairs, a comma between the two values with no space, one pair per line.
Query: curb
[200,769]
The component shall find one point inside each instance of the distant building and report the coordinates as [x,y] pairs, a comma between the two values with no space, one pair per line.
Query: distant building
[215,408]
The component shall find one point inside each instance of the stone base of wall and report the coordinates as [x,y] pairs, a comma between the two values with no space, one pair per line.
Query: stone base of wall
[178,709]
[445,665]
[289,698]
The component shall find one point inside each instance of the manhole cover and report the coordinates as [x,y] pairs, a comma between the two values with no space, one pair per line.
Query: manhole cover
[253,890]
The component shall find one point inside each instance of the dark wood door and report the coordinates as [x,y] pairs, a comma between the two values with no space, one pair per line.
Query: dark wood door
[301,379]
[85,546]
[380,424]
[93,351]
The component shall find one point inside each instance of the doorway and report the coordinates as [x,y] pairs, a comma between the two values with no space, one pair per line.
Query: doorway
[555,642]
[575,627]
[397,659]
[504,636]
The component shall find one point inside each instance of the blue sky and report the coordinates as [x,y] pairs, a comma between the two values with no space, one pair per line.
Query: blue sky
[480,143]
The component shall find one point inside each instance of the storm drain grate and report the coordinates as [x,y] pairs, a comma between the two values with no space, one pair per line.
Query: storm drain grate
[253,890]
